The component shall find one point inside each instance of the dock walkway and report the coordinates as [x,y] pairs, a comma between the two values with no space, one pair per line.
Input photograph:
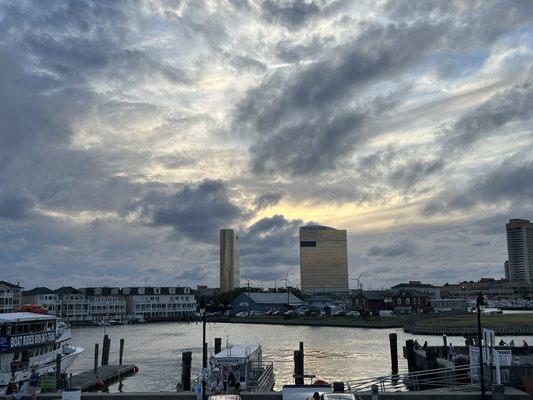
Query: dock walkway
[108,374]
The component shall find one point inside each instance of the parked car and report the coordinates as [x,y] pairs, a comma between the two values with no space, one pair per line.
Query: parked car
[339,313]
[242,314]
[353,314]
[275,312]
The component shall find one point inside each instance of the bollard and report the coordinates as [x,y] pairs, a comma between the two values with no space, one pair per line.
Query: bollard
[393,339]
[186,361]
[374,392]
[121,352]
[498,392]
[96,352]
[218,345]
[338,387]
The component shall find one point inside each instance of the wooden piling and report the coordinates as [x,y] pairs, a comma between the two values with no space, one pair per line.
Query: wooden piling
[121,352]
[58,369]
[302,360]
[186,361]
[105,350]
[96,353]
[218,345]
[393,339]
[410,349]
[298,373]
[444,340]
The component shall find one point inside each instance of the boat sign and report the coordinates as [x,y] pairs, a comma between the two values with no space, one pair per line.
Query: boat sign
[8,343]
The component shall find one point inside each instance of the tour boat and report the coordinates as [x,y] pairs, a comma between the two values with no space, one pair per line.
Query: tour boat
[30,340]
[247,366]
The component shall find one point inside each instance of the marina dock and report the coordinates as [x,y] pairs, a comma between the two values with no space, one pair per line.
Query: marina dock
[108,374]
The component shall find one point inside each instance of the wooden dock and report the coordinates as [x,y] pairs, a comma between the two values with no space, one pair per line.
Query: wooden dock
[108,374]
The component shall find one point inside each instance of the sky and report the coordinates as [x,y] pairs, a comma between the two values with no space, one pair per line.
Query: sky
[132,131]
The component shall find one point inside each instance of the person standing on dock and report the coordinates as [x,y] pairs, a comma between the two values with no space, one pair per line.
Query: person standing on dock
[34,383]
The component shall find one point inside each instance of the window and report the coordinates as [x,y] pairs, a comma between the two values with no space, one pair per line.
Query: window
[407,301]
[157,290]
[308,243]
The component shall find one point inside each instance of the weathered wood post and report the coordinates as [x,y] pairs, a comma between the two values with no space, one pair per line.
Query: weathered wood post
[96,353]
[121,352]
[393,339]
[444,340]
[410,349]
[218,345]
[298,373]
[58,370]
[302,360]
[105,350]
[186,361]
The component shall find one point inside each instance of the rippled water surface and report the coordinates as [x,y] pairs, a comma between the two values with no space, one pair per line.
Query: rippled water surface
[330,353]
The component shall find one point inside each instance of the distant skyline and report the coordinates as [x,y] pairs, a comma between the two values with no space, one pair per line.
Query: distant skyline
[131,132]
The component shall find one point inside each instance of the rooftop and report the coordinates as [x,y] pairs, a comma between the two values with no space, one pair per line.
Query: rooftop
[37,290]
[24,316]
[316,228]
[10,285]
[238,350]
[413,284]
[273,298]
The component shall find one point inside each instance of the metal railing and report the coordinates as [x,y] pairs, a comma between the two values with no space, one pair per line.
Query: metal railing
[454,378]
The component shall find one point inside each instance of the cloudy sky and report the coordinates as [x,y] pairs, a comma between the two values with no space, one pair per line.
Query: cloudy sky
[132,131]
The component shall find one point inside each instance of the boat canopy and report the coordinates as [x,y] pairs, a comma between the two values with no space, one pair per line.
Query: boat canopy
[24,317]
[235,354]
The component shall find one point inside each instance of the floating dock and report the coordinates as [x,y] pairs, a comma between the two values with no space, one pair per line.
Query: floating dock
[108,374]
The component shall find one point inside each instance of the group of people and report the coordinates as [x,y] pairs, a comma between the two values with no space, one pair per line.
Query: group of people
[224,382]
[16,391]
[512,344]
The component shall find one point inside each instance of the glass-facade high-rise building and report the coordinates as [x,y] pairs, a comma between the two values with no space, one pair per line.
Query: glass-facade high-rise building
[229,260]
[323,259]
[520,250]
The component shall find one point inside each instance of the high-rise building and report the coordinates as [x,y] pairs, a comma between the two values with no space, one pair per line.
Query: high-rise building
[506,269]
[323,259]
[229,260]
[520,249]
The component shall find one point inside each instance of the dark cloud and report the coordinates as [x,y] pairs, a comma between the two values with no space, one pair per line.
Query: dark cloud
[196,211]
[308,109]
[16,208]
[267,200]
[489,118]
[401,247]
[291,14]
[507,184]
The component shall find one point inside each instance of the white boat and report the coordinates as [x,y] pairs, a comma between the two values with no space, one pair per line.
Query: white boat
[29,340]
[246,364]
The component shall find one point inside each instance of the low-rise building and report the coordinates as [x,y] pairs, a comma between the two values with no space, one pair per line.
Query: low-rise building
[449,305]
[160,303]
[10,297]
[43,297]
[73,304]
[105,303]
[405,302]
[418,288]
[372,301]
[263,302]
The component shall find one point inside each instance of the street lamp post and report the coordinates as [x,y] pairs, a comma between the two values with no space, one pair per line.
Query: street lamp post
[479,303]
[204,349]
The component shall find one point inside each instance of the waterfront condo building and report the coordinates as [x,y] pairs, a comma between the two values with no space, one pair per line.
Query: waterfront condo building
[323,259]
[9,297]
[520,249]
[160,303]
[229,260]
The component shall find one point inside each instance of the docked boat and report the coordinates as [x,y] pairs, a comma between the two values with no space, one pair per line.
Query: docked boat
[245,363]
[29,340]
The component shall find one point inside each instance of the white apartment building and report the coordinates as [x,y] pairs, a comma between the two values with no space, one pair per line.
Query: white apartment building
[10,297]
[105,303]
[73,304]
[160,303]
[43,297]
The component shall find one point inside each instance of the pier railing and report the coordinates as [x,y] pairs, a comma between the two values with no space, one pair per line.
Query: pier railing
[455,378]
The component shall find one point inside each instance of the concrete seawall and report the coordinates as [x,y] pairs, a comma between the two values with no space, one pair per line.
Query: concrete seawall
[510,393]
[311,322]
